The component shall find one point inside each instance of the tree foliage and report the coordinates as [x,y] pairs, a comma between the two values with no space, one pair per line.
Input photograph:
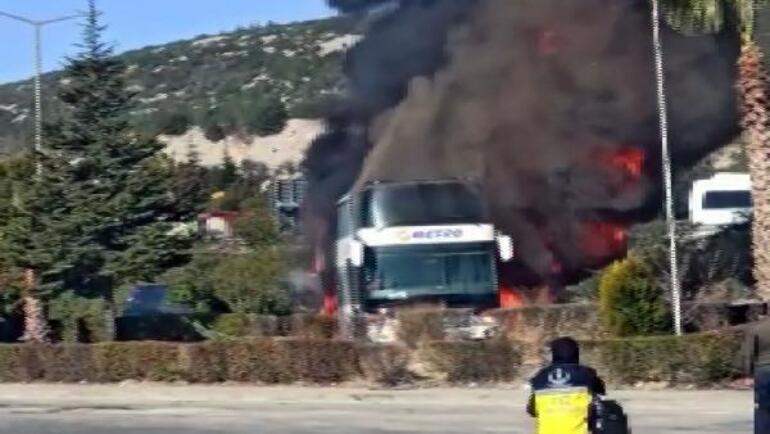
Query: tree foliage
[631,304]
[239,283]
[256,225]
[267,116]
[190,188]
[710,16]
[193,285]
[99,210]
[250,283]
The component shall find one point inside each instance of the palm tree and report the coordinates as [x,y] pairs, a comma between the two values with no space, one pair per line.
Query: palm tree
[708,16]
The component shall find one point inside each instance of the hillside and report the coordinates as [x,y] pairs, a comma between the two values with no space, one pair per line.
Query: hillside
[234,86]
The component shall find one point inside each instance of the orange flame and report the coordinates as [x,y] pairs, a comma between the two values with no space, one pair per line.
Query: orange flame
[629,160]
[603,240]
[511,298]
[330,305]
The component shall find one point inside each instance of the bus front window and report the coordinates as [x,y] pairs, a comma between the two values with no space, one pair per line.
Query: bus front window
[405,272]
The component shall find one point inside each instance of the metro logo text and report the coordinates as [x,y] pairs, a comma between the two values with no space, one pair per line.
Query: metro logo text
[438,234]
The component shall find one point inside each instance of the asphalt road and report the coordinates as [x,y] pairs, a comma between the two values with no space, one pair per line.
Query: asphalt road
[133,409]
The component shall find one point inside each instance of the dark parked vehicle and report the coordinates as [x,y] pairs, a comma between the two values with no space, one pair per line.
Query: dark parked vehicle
[152,299]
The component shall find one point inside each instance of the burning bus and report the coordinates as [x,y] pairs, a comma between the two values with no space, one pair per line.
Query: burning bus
[548,105]
[412,242]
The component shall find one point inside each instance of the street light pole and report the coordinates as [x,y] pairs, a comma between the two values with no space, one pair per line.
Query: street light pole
[660,78]
[38,25]
[38,93]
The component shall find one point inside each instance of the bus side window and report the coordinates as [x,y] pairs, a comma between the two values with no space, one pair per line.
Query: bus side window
[368,272]
[344,226]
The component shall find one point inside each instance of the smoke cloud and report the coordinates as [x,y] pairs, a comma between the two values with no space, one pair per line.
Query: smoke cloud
[549,104]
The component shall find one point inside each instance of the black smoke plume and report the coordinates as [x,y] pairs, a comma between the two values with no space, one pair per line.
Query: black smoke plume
[544,102]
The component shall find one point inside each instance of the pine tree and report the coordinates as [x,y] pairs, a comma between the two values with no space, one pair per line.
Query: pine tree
[190,187]
[269,117]
[223,177]
[37,240]
[104,192]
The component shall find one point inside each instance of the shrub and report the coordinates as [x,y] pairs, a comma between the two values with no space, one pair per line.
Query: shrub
[214,132]
[153,361]
[385,364]
[175,123]
[700,359]
[420,324]
[15,364]
[257,226]
[246,325]
[249,283]
[311,326]
[465,361]
[266,116]
[61,363]
[309,108]
[203,362]
[537,323]
[318,360]
[629,302]
[258,361]
[290,360]
[79,319]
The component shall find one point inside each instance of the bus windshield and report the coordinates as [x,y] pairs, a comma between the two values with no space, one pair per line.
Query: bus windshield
[395,273]
[420,204]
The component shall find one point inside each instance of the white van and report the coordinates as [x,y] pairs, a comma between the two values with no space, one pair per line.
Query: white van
[724,199]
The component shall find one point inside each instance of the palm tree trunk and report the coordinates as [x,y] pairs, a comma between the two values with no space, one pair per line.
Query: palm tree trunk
[754,93]
[35,325]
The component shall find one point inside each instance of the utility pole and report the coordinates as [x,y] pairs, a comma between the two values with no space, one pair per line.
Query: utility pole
[38,26]
[660,77]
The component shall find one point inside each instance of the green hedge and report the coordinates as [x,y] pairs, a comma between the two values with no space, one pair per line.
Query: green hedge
[691,359]
[701,359]
[246,325]
[474,362]
[417,325]
[531,323]
[385,364]
[258,361]
[694,359]
[309,326]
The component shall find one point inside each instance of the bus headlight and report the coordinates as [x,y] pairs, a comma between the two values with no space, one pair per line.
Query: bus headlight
[505,246]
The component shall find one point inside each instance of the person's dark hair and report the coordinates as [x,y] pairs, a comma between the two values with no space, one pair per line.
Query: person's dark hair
[565,350]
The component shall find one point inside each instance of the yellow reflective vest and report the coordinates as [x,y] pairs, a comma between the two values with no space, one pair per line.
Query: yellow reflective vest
[562,410]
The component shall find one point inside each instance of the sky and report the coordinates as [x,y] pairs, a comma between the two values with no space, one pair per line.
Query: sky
[133,24]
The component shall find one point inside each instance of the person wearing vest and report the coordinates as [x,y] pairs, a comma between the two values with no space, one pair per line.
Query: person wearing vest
[563,392]
[760,366]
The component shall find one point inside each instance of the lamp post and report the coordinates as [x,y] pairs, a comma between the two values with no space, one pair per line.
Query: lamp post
[38,26]
[35,325]
[676,293]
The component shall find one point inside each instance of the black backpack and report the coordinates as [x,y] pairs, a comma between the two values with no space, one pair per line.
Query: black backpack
[611,419]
